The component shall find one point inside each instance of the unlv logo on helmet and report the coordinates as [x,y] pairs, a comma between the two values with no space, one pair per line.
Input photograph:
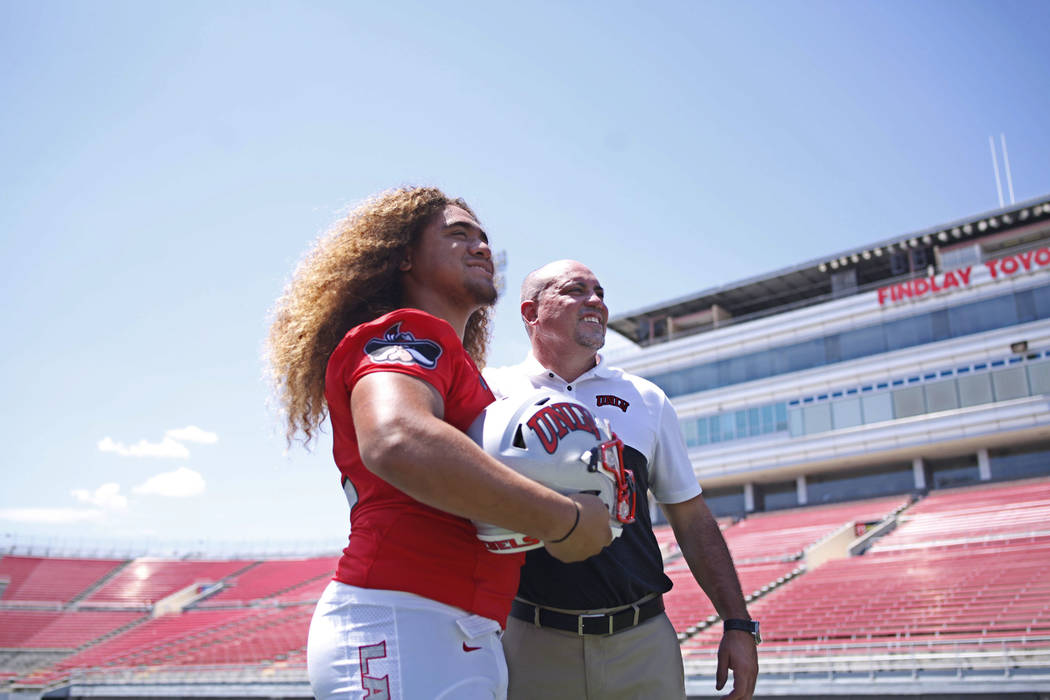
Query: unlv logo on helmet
[552,423]
[554,439]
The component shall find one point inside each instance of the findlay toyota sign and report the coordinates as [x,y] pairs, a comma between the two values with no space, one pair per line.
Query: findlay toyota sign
[999,267]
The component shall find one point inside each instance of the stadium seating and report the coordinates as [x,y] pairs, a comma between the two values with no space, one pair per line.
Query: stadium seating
[965,567]
[149,580]
[997,512]
[687,604]
[273,578]
[51,580]
[940,594]
[42,629]
[783,535]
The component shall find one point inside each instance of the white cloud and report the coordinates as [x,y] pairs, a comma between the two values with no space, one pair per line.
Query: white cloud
[192,433]
[165,448]
[181,483]
[106,496]
[170,446]
[51,516]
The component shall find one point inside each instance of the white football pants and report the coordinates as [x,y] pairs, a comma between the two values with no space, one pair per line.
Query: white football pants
[391,645]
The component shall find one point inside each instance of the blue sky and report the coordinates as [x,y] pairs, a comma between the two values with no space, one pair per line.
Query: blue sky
[164,165]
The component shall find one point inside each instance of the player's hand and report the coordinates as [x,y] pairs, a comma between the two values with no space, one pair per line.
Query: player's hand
[591,535]
[739,652]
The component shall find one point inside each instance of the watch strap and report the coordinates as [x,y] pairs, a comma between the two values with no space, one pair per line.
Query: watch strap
[749,626]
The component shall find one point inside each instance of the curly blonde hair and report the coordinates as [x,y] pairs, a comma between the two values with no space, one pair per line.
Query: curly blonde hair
[349,277]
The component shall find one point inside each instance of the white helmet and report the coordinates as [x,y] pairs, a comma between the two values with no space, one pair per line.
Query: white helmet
[553,439]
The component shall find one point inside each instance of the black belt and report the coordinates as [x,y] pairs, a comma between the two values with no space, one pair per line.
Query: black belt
[598,623]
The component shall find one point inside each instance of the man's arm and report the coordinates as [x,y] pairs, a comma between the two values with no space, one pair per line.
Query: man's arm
[403,440]
[708,557]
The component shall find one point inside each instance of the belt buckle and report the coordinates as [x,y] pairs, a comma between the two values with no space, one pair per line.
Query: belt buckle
[580,618]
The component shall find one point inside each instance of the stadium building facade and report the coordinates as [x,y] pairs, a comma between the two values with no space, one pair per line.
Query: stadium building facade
[915,363]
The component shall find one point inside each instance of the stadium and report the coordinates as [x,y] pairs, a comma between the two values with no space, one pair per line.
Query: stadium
[872,429]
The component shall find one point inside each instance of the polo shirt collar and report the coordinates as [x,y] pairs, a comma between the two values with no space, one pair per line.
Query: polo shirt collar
[533,368]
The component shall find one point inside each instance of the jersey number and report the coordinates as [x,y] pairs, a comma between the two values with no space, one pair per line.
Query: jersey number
[378,688]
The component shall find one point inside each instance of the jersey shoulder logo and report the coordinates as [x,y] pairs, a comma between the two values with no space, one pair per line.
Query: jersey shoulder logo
[611,400]
[397,347]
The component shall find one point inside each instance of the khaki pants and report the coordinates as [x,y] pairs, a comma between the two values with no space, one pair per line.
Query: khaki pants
[641,663]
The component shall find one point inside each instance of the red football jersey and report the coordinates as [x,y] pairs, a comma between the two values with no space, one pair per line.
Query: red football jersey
[396,542]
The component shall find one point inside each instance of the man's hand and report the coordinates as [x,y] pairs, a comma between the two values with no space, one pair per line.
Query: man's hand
[591,535]
[739,652]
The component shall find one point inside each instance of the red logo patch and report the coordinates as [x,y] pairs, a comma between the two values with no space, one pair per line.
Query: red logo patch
[610,400]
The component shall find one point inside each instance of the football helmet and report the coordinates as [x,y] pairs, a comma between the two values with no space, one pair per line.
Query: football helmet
[554,439]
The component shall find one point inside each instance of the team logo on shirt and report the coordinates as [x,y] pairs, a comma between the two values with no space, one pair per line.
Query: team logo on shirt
[610,400]
[552,423]
[398,347]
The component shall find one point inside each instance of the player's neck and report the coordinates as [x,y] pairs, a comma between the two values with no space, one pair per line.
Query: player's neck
[456,316]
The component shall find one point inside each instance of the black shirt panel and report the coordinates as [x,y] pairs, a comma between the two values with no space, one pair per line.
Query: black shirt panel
[628,569]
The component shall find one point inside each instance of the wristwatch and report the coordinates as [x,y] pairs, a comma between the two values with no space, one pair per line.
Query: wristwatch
[749,626]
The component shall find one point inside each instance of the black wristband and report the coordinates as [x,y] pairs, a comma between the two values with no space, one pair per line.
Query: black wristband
[571,529]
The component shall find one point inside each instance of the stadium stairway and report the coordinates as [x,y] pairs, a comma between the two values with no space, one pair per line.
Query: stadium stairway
[90,590]
[772,549]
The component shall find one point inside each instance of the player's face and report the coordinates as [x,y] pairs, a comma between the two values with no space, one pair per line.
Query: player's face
[573,306]
[452,258]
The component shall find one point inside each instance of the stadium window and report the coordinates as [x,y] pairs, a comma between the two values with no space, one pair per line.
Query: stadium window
[741,424]
[701,378]
[733,370]
[780,413]
[883,480]
[954,471]
[985,315]
[908,401]
[975,389]
[754,423]
[1020,462]
[1026,310]
[1039,377]
[877,408]
[726,423]
[725,501]
[794,417]
[701,431]
[776,496]
[689,432]
[941,396]
[1011,383]
[803,355]
[908,332]
[816,418]
[768,423]
[939,325]
[659,328]
[845,413]
[832,351]
[1041,295]
[899,264]
[758,365]
[920,258]
[862,342]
